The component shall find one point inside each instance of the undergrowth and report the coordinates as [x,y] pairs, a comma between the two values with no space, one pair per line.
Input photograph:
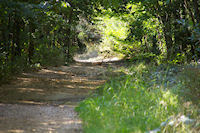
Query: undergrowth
[49,56]
[144,100]
[44,56]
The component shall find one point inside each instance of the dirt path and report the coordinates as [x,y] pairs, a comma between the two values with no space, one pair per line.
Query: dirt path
[44,101]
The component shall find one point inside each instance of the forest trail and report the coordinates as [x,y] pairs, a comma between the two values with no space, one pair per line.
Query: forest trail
[44,101]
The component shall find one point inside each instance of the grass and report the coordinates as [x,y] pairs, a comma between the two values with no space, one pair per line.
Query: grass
[138,102]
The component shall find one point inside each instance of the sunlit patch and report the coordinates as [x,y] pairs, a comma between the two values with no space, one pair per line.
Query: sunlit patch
[52,71]
[51,130]
[70,86]
[24,79]
[87,87]
[30,90]
[52,123]
[45,124]
[31,102]
[16,131]
[72,122]
[61,106]
[79,79]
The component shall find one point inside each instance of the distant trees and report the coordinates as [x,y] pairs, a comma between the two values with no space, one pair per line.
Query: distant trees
[178,19]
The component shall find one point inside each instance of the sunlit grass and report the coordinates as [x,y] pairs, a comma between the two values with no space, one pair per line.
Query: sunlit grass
[134,103]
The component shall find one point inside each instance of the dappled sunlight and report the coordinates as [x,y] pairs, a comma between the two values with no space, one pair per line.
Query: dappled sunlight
[54,85]
[37,100]
[121,64]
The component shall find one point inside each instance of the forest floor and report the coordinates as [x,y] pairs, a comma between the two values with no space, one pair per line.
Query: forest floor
[44,101]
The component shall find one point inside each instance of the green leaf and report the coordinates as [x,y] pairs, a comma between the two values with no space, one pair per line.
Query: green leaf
[65,4]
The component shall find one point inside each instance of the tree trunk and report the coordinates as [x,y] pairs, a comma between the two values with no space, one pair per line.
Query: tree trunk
[16,35]
[68,37]
[196,11]
[31,44]
[168,35]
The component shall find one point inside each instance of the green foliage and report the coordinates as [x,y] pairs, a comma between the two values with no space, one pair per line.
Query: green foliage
[113,30]
[178,59]
[132,33]
[169,27]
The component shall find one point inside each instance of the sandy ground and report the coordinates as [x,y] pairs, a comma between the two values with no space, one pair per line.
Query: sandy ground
[17,118]
[44,101]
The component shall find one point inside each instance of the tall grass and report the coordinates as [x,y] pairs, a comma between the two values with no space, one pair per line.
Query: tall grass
[136,102]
